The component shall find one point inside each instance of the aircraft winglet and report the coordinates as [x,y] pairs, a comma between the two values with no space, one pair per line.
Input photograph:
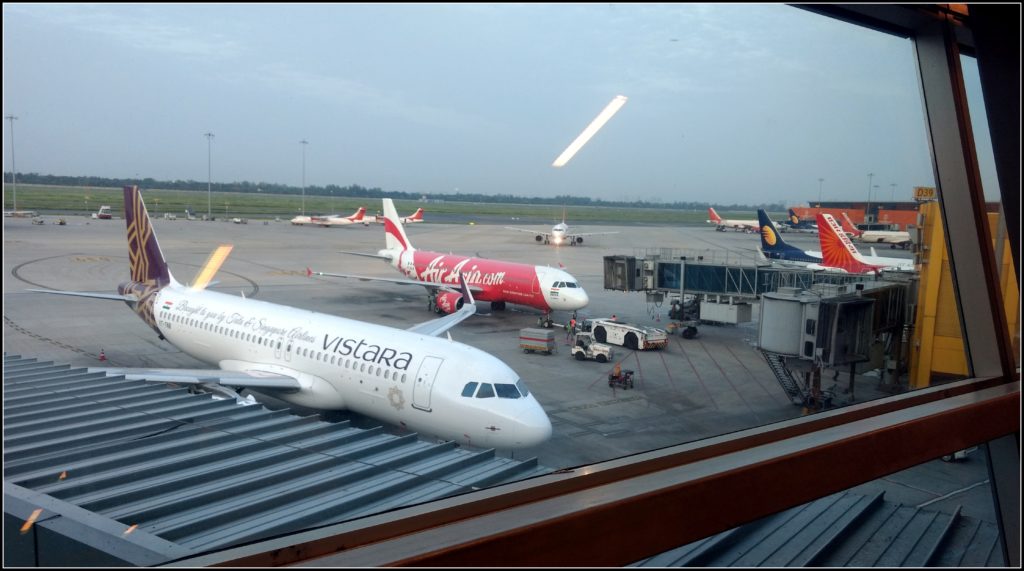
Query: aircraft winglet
[466,295]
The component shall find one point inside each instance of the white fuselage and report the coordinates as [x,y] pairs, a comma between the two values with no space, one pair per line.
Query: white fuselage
[883,237]
[558,232]
[399,377]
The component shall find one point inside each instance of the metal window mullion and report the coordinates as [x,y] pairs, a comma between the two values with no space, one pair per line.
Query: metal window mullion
[969,243]
[962,202]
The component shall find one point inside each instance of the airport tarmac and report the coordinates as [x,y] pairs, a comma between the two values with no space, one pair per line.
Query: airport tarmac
[693,389]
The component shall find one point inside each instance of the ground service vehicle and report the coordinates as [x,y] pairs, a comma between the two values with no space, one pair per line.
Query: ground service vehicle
[628,335]
[623,379]
[540,340]
[586,348]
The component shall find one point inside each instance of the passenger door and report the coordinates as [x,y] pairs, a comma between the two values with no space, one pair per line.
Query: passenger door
[425,382]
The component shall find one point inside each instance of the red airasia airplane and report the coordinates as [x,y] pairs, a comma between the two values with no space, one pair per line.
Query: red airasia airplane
[498,282]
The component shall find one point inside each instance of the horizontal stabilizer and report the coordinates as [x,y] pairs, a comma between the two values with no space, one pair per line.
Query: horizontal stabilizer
[364,254]
[111,296]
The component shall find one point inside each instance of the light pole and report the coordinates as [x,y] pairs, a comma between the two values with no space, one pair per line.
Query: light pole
[892,196]
[304,143]
[14,171]
[867,211]
[209,194]
[820,181]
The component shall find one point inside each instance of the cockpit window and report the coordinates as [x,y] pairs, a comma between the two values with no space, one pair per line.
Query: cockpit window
[486,391]
[559,284]
[469,389]
[522,388]
[506,391]
[571,284]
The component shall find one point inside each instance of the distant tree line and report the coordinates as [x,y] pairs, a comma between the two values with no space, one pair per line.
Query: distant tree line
[357,191]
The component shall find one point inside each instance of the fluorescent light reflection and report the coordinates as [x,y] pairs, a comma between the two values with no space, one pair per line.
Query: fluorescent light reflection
[609,111]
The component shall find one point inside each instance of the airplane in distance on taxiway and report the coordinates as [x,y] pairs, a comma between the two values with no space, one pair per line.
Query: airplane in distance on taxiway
[559,234]
[410,378]
[332,219]
[723,224]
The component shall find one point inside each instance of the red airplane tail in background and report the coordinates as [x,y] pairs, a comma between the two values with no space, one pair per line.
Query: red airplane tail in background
[837,250]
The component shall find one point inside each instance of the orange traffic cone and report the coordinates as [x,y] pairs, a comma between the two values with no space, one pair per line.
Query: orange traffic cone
[103,356]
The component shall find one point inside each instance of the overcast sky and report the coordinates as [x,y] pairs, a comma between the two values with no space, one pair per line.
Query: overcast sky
[729,103]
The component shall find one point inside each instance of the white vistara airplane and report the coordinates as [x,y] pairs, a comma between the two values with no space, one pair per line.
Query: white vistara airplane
[410,378]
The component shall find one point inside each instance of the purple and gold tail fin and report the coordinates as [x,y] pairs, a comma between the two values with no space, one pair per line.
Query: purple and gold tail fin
[147,261]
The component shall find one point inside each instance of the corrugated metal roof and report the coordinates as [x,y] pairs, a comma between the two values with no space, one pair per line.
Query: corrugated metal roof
[202,473]
[846,530]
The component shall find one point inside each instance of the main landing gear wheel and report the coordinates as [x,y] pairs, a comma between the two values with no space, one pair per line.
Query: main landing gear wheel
[498,306]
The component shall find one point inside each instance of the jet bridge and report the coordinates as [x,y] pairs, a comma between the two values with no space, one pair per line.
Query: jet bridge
[726,287]
[809,320]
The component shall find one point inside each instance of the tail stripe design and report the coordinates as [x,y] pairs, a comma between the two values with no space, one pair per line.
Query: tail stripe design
[394,234]
[146,261]
[836,248]
[849,226]
[149,273]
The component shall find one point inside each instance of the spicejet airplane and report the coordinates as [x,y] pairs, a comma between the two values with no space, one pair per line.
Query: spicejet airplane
[332,219]
[892,237]
[495,281]
[838,251]
[410,378]
[411,219]
[723,224]
[560,234]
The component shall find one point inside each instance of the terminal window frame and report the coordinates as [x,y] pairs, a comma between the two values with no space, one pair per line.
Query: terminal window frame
[553,519]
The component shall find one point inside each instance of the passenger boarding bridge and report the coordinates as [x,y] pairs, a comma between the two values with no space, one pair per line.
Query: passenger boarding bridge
[809,320]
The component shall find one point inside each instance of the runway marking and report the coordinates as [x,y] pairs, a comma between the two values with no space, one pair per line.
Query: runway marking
[23,331]
[726,377]
[697,374]
[772,394]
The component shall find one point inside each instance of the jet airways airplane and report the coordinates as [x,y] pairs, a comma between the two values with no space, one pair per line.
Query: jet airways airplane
[332,219]
[409,378]
[838,251]
[498,282]
[892,237]
[799,225]
[560,234]
[724,224]
[777,250]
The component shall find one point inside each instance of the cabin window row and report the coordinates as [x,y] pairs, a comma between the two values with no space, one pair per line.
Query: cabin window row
[379,371]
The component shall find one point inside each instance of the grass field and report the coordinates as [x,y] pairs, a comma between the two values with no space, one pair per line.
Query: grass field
[85,200]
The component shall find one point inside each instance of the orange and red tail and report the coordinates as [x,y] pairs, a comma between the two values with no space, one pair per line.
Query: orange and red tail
[837,251]
[714,216]
[417,216]
[849,227]
[358,216]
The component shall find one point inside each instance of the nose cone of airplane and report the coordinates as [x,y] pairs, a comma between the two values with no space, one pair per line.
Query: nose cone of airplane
[571,299]
[532,428]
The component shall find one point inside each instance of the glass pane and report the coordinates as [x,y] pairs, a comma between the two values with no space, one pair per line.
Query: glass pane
[729,109]
[990,181]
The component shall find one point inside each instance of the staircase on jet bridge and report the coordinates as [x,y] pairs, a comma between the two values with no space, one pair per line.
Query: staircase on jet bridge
[789,383]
